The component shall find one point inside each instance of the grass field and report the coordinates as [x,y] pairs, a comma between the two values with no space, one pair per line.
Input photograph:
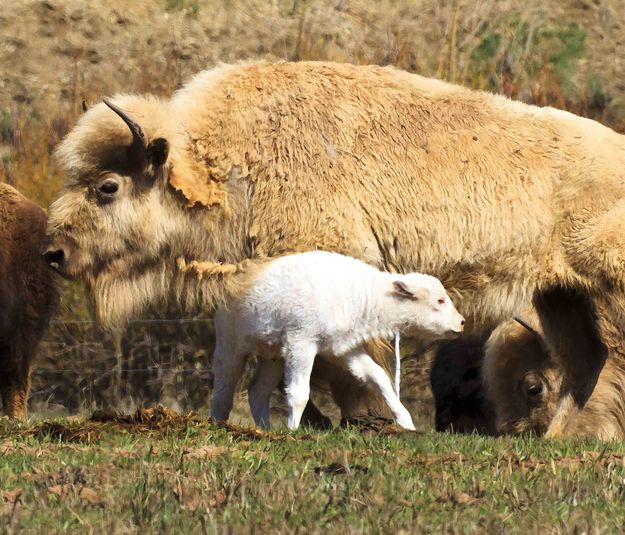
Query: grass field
[161,473]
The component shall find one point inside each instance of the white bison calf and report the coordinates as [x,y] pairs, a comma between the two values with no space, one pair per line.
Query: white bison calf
[320,303]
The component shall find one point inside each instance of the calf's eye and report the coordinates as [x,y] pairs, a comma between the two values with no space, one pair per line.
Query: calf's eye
[441,301]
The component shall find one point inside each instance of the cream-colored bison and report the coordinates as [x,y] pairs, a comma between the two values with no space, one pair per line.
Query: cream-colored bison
[522,380]
[505,203]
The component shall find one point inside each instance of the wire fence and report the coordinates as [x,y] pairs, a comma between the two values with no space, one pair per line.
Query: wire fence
[152,361]
[166,361]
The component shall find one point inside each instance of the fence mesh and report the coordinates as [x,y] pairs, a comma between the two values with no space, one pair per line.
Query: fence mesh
[166,361]
[161,361]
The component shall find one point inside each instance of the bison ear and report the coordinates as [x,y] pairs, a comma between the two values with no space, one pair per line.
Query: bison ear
[158,151]
[402,290]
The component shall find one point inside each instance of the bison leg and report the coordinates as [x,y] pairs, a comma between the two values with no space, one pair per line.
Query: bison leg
[455,379]
[569,322]
[314,418]
[14,391]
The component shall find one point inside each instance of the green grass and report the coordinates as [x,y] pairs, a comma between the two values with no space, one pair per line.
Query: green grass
[197,477]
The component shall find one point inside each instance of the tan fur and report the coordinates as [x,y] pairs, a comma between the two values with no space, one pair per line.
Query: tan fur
[192,285]
[512,352]
[404,172]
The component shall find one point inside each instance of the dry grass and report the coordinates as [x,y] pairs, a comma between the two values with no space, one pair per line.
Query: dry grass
[59,53]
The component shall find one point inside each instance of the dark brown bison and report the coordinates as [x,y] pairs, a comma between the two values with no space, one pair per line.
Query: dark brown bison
[27,295]
[456,381]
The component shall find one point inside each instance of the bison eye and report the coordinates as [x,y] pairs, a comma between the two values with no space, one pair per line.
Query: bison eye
[532,387]
[108,187]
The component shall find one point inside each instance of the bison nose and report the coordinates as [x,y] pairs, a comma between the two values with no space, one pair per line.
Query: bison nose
[54,257]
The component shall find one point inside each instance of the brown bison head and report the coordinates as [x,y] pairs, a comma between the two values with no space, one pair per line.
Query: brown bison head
[118,224]
[521,379]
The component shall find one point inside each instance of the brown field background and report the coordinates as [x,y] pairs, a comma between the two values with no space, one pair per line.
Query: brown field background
[56,53]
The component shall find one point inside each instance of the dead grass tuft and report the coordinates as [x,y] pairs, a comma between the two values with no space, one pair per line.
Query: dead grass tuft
[375,424]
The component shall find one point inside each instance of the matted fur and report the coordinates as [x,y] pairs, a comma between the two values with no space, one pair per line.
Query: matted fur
[27,295]
[499,200]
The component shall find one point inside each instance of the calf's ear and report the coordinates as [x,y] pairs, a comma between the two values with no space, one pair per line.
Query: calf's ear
[158,151]
[402,290]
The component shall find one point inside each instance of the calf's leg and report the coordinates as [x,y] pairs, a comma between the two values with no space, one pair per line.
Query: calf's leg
[299,358]
[228,362]
[266,378]
[362,366]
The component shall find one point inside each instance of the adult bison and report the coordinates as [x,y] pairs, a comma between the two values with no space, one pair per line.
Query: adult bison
[27,295]
[522,380]
[505,203]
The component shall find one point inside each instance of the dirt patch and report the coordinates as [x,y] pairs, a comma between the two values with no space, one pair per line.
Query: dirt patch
[153,421]
[374,424]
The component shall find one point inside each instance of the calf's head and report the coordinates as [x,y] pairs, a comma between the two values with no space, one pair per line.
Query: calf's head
[521,379]
[423,308]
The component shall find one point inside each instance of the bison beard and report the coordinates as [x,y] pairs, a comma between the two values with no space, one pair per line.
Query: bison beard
[27,295]
[258,160]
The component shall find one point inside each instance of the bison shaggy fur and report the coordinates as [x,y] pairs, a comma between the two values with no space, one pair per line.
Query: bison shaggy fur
[27,295]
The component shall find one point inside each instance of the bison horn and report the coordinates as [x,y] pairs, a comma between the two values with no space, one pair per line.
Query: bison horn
[531,329]
[138,137]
